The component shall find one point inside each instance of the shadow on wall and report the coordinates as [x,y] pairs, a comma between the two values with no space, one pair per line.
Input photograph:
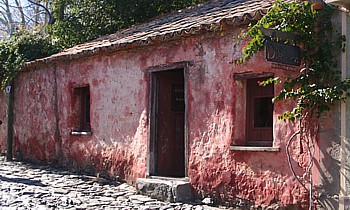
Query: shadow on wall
[330,173]
[2,143]
[109,155]
[3,120]
[346,172]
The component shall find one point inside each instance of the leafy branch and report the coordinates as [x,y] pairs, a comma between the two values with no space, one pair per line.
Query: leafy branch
[22,47]
[318,86]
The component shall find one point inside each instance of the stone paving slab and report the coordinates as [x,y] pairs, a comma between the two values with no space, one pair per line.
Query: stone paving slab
[28,186]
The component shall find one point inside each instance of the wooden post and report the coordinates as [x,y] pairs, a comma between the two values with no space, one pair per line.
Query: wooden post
[11,94]
[10,123]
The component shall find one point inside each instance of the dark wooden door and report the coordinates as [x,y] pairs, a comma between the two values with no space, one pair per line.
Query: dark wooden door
[170,124]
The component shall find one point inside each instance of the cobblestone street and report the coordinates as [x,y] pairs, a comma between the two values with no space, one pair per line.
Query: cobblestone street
[27,186]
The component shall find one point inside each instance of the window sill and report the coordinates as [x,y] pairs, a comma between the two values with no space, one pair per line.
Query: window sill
[81,133]
[254,149]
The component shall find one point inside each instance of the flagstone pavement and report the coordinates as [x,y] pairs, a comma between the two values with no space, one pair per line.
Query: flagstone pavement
[30,186]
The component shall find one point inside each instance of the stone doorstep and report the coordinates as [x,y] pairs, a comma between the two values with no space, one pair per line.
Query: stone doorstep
[171,190]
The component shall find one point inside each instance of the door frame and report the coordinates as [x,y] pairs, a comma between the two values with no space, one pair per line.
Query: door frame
[152,111]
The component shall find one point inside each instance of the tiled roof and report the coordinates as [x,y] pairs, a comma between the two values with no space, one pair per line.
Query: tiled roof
[204,17]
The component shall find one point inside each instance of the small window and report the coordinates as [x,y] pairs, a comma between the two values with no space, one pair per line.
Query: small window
[82,108]
[259,113]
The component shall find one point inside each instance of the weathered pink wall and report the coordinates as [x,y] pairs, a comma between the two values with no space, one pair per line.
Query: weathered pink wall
[119,108]
[35,117]
[3,119]
[118,117]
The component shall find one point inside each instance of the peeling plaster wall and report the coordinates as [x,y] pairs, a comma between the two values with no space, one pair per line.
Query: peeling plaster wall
[329,151]
[118,143]
[34,116]
[119,108]
[118,91]
[328,166]
[3,119]
[330,146]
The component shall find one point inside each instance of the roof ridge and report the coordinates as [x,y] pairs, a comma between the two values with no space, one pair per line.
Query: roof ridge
[208,16]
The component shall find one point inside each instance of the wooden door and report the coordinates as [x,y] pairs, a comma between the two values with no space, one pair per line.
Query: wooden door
[170,157]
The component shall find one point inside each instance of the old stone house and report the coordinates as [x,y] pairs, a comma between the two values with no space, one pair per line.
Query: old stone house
[162,99]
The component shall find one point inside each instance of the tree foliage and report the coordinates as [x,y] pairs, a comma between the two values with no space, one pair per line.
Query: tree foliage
[68,22]
[22,47]
[80,21]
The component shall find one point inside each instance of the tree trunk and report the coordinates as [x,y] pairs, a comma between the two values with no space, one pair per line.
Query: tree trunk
[21,12]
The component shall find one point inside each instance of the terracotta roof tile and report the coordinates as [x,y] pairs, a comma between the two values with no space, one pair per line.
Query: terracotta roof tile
[204,17]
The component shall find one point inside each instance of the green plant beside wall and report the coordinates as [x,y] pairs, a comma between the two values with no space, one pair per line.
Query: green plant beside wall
[24,46]
[318,85]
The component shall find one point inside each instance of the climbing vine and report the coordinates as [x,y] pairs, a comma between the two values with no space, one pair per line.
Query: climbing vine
[318,85]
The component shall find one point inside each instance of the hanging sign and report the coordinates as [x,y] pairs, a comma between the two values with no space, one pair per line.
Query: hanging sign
[8,89]
[282,53]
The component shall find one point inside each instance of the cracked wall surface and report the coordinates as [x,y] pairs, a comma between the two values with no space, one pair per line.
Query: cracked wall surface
[117,147]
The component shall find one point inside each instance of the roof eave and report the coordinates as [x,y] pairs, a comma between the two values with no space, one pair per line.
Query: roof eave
[222,25]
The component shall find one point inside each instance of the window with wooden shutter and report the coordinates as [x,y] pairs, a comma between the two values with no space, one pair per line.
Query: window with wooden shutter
[82,108]
[259,119]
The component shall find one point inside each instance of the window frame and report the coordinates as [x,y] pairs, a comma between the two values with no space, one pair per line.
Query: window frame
[258,136]
[241,142]
[82,110]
